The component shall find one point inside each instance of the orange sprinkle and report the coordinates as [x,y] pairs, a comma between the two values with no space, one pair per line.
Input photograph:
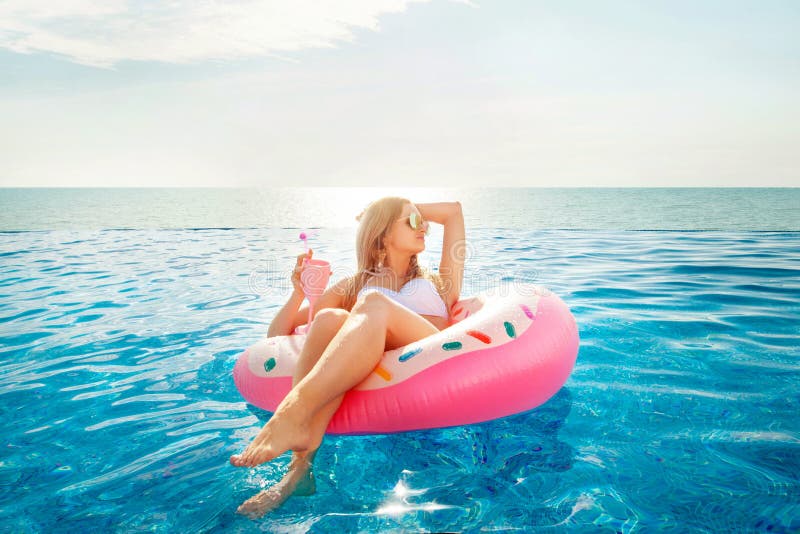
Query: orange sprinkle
[479,335]
[383,373]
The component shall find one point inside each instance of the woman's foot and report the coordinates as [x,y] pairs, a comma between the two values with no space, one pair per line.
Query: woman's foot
[280,434]
[307,485]
[299,480]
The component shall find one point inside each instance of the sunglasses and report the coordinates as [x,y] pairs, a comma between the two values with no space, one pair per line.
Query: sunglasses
[416,222]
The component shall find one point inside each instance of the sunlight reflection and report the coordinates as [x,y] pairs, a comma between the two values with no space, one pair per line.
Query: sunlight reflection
[397,503]
[335,207]
[402,491]
[400,508]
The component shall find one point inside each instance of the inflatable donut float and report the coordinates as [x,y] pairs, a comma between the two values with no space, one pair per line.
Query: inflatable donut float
[504,353]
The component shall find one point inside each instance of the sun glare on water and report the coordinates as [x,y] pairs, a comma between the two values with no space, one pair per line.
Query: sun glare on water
[336,207]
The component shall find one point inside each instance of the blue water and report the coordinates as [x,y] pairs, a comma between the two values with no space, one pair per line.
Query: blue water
[765,209]
[119,411]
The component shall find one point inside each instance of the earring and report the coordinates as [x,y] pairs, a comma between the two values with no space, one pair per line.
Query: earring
[380,259]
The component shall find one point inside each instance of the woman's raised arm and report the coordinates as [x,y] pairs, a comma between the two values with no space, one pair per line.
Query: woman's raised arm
[454,245]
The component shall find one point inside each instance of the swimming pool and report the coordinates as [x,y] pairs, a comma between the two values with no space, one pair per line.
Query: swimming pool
[119,410]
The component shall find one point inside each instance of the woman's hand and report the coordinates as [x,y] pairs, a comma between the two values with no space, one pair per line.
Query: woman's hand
[284,322]
[301,263]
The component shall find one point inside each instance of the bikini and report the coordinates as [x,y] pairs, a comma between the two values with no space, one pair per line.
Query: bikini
[418,295]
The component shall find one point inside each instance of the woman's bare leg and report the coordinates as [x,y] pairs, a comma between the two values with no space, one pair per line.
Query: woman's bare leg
[375,324]
[333,321]
[295,482]
[299,478]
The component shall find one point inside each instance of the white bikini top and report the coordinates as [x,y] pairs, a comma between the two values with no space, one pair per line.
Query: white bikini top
[418,295]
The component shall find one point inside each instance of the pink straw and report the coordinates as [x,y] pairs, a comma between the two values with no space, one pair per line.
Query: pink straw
[304,237]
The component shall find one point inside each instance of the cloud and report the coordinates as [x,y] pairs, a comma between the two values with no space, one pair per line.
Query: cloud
[104,33]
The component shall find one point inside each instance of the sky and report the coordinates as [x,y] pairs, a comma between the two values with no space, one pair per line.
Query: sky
[438,93]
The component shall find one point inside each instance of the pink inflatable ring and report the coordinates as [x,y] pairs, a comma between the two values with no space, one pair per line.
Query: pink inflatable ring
[504,353]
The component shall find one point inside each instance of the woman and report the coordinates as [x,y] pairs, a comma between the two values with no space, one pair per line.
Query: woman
[355,321]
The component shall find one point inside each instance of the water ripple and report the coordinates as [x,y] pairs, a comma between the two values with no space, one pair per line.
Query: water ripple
[175,448]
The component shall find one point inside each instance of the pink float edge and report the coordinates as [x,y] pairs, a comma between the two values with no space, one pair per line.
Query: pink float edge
[481,385]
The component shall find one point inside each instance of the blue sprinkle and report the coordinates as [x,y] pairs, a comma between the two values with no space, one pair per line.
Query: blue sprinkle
[410,354]
[510,329]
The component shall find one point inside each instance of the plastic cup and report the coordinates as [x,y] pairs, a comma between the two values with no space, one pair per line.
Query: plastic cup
[314,280]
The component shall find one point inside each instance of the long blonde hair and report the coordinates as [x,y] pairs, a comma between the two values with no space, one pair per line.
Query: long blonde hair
[374,223]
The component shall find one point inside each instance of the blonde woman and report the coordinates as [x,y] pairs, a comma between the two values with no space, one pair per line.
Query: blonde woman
[354,322]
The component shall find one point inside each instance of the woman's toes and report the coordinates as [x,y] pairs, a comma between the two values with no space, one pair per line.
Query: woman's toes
[244,459]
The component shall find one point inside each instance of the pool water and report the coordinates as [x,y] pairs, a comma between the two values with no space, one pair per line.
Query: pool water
[119,410]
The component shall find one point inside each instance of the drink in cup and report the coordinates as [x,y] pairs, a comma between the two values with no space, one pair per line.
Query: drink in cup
[314,279]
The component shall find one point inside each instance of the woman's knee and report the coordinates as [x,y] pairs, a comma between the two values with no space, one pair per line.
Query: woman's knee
[329,319]
[373,303]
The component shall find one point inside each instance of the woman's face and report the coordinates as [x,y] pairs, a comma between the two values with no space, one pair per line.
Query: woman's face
[402,236]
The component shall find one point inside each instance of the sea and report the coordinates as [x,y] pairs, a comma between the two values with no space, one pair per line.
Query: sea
[122,312]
